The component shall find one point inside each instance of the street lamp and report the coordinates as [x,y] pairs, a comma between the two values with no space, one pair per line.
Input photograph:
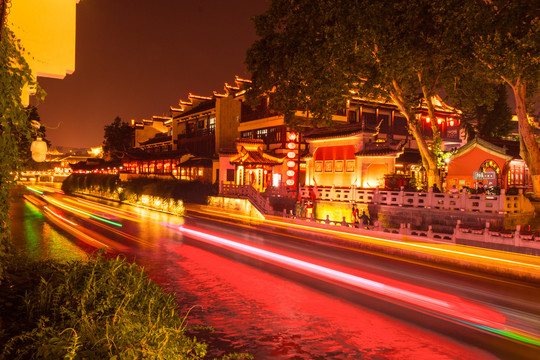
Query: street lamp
[39,150]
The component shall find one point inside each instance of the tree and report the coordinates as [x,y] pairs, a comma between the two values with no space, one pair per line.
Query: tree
[495,121]
[501,39]
[314,54]
[14,124]
[491,119]
[117,139]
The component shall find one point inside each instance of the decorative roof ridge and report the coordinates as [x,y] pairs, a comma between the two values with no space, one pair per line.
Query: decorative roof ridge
[485,144]
[200,97]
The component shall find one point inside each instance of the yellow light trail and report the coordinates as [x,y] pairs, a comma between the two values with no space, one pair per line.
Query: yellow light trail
[110,210]
[64,206]
[393,243]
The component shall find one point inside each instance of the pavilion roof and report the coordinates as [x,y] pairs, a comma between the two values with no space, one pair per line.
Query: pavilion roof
[338,131]
[158,138]
[504,148]
[388,147]
[204,106]
[255,157]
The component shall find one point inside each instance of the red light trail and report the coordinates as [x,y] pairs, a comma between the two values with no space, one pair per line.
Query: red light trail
[434,303]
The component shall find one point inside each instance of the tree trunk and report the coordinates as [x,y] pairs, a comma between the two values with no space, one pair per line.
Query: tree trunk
[429,160]
[529,147]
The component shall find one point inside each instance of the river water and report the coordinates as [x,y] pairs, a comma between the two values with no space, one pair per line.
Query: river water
[251,310]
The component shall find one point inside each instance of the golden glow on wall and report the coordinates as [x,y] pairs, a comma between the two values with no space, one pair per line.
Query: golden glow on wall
[46,29]
[375,175]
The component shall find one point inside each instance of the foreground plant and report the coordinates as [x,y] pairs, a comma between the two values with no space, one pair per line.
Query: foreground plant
[99,309]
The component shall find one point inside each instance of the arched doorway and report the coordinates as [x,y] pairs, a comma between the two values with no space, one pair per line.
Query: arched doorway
[492,173]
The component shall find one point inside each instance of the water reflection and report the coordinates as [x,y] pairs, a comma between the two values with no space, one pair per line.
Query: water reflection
[33,235]
[252,310]
[274,318]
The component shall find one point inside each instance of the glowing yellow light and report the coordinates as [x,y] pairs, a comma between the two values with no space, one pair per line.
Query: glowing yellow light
[291,163]
[290,182]
[291,146]
[428,120]
[292,136]
[291,155]
[290,173]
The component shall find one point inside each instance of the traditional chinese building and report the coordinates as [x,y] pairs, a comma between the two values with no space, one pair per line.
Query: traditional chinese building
[373,141]
[492,162]
[253,166]
[349,155]
[184,145]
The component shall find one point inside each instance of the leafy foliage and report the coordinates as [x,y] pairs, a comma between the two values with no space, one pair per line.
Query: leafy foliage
[313,55]
[500,40]
[117,139]
[99,309]
[187,191]
[14,125]
[495,122]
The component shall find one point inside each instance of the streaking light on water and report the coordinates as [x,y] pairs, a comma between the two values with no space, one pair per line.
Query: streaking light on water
[64,206]
[434,302]
[35,190]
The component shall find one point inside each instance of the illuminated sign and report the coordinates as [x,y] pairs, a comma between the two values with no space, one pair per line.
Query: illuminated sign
[488,175]
[292,154]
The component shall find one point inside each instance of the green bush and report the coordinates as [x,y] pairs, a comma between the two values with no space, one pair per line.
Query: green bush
[188,191]
[99,309]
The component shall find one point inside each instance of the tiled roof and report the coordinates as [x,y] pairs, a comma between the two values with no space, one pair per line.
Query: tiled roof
[249,141]
[205,105]
[337,131]
[228,151]
[139,154]
[158,138]
[255,157]
[199,162]
[506,148]
[409,157]
[511,147]
[381,149]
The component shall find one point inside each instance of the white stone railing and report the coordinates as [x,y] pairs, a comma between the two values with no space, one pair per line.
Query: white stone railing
[247,192]
[280,191]
[500,204]
[486,235]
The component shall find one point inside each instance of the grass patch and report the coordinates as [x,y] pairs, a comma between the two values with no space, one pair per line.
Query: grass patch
[96,309]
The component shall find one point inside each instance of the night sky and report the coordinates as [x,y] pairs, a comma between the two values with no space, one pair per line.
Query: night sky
[136,58]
